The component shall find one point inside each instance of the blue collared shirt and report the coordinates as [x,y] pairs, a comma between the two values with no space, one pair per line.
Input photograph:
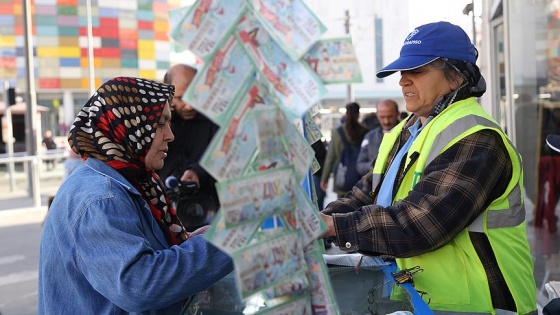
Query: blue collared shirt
[103,253]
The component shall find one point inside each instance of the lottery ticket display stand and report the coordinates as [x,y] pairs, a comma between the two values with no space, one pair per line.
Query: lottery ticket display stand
[362,285]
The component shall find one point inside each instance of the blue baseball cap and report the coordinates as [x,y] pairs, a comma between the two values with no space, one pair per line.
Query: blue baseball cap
[429,42]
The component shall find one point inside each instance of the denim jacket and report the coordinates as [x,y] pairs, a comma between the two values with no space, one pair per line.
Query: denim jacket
[103,253]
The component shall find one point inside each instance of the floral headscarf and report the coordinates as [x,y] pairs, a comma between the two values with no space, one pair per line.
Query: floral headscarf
[117,126]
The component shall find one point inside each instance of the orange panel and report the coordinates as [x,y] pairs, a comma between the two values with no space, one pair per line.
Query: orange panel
[128,33]
[84,62]
[161,26]
[67,2]
[18,9]
[161,36]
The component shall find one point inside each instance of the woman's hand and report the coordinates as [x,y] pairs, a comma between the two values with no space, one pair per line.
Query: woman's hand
[200,230]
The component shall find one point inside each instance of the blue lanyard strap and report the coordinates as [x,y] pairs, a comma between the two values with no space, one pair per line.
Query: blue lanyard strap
[420,306]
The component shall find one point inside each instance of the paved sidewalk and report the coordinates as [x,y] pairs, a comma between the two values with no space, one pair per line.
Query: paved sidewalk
[15,202]
[22,216]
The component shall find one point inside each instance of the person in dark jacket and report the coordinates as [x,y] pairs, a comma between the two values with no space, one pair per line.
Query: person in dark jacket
[185,152]
[49,144]
[320,154]
[388,117]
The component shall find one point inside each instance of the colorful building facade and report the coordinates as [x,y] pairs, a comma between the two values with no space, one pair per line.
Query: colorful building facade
[128,38]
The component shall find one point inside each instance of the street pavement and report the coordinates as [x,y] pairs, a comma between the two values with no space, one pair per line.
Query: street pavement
[20,232]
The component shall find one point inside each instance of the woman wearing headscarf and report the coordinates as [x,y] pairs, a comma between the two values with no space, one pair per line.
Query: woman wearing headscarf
[112,242]
[445,191]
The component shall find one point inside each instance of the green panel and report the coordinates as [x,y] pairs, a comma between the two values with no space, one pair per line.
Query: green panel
[67,10]
[145,5]
[45,20]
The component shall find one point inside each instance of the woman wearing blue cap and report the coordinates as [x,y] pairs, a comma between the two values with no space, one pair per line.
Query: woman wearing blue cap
[446,187]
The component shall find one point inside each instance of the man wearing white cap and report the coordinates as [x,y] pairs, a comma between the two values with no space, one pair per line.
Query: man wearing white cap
[446,187]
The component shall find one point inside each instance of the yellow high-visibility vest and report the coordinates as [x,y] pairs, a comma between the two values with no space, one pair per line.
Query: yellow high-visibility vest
[453,275]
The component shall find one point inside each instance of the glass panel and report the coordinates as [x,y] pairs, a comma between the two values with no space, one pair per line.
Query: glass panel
[535,66]
[500,82]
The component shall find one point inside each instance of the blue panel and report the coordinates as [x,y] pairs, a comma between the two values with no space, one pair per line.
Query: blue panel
[70,62]
[94,21]
[108,12]
[145,15]
[7,52]
[7,20]
[20,51]
[47,30]
[145,34]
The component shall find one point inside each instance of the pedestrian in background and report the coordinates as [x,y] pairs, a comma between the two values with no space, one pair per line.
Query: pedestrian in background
[370,121]
[445,192]
[112,242]
[388,117]
[354,132]
[49,144]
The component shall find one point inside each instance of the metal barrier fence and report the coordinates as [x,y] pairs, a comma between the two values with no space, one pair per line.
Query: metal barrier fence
[33,170]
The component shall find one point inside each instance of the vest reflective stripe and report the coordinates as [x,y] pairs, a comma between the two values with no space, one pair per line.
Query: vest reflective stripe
[444,139]
[375,181]
[512,216]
